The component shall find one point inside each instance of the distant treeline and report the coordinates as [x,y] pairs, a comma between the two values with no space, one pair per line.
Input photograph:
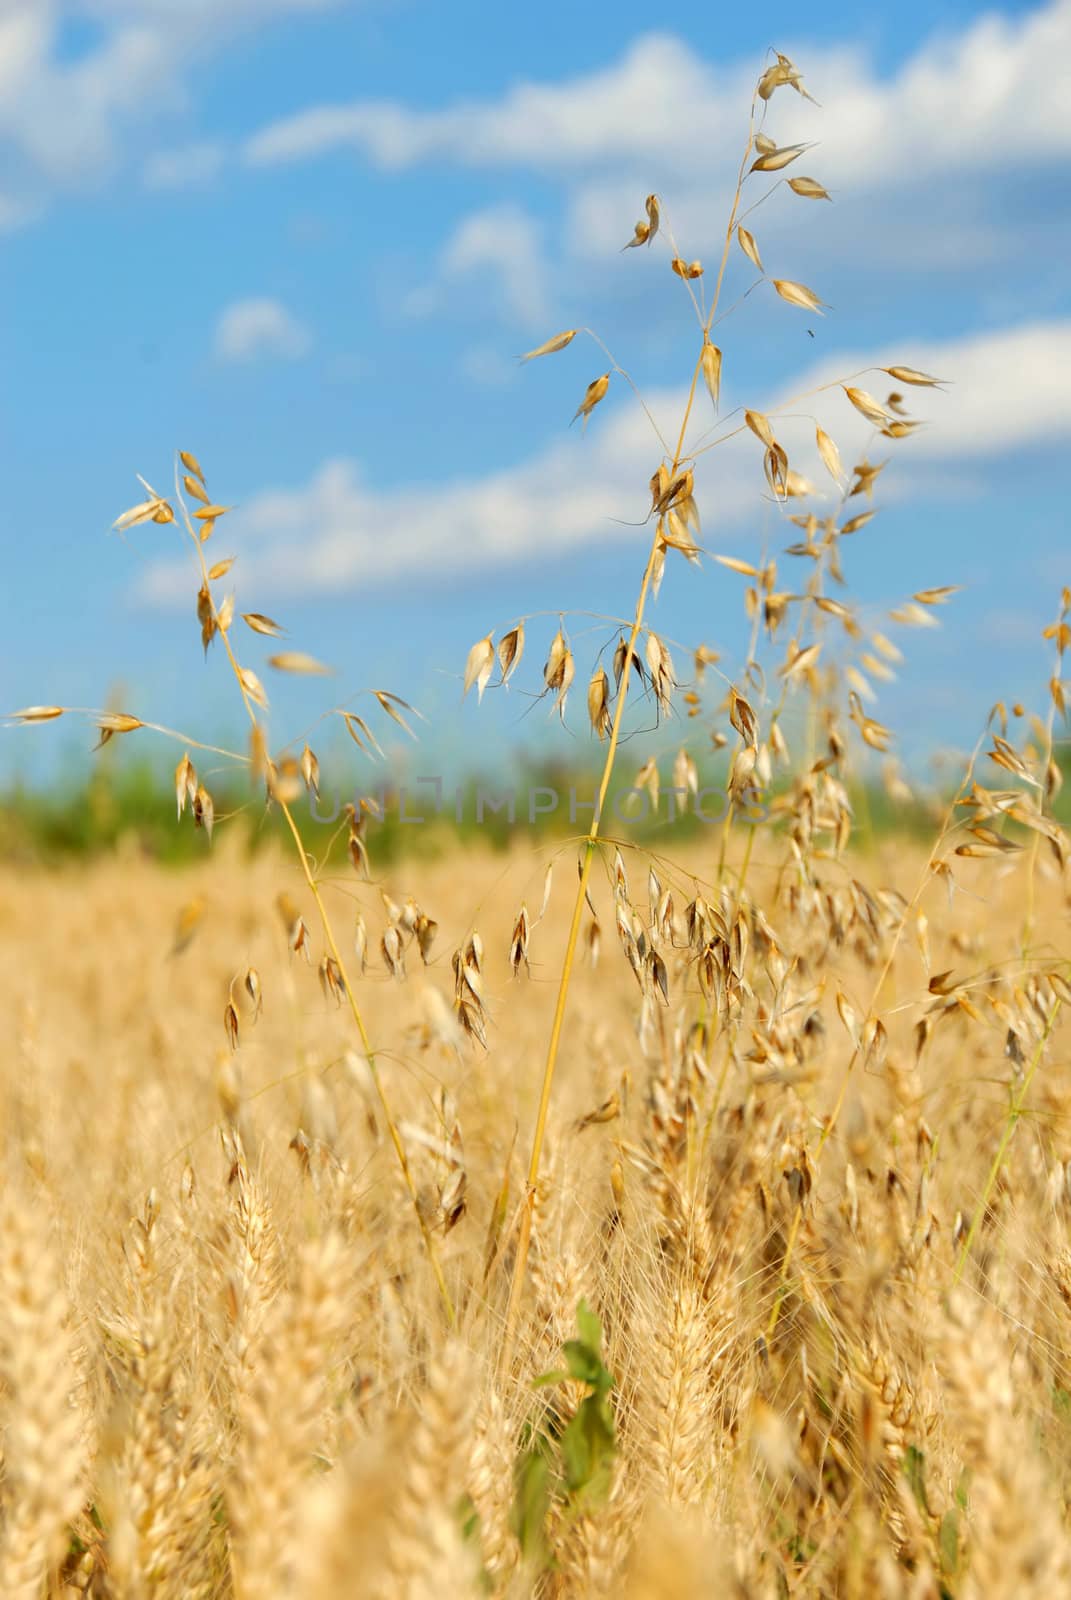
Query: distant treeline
[133,802]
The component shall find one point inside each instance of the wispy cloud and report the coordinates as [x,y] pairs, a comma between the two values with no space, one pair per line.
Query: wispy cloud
[62,121]
[258,327]
[186,168]
[969,101]
[495,256]
[1009,392]
[943,139]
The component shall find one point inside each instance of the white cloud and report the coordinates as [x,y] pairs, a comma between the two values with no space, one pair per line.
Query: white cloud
[984,98]
[631,108]
[498,252]
[506,242]
[917,156]
[259,327]
[186,168]
[62,121]
[341,531]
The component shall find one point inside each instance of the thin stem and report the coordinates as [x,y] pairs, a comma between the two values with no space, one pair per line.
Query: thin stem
[525,1235]
[388,1115]
[332,943]
[1010,1124]
[520,1265]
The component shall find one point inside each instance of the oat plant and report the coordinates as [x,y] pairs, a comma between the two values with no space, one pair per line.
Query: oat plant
[675,522]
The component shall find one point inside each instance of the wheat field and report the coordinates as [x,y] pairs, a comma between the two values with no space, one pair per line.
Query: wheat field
[672,1216]
[226,1366]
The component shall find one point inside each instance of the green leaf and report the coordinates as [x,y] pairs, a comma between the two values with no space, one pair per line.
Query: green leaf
[531,1502]
[915,1473]
[948,1543]
[583,1362]
[589,1327]
[588,1448]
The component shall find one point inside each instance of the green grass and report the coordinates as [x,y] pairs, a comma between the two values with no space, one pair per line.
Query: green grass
[130,801]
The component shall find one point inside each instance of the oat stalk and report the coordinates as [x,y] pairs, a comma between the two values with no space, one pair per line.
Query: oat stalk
[332,943]
[525,1235]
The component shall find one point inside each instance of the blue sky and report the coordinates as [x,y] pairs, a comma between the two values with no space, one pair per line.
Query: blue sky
[308,240]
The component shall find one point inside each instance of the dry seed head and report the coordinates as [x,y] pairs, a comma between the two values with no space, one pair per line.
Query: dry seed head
[206,616]
[868,407]
[559,671]
[660,666]
[204,812]
[647,778]
[609,1111]
[330,975]
[685,776]
[253,687]
[559,342]
[479,666]
[510,651]
[641,235]
[808,188]
[187,923]
[297,662]
[360,732]
[711,360]
[746,240]
[598,703]
[775,468]
[310,771]
[518,950]
[620,654]
[389,703]
[32,714]
[112,722]
[775,160]
[155,509]
[760,427]
[830,455]
[595,391]
[864,475]
[798,294]
[783,73]
[912,375]
[261,624]
[393,952]
[185,783]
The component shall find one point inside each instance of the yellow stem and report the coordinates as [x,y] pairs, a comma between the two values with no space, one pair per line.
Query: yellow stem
[1011,1122]
[524,1238]
[332,943]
